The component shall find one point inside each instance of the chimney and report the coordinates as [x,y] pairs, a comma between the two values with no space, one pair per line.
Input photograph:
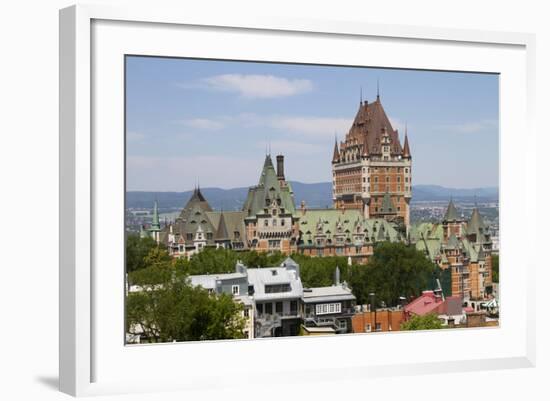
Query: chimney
[280,167]
[303,207]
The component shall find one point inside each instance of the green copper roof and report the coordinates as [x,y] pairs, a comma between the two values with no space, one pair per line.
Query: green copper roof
[221,232]
[451,214]
[387,205]
[270,191]
[348,225]
[155,225]
[476,224]
[452,242]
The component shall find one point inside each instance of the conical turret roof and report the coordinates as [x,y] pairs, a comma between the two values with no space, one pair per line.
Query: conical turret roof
[221,232]
[336,154]
[451,214]
[476,224]
[406,150]
[387,205]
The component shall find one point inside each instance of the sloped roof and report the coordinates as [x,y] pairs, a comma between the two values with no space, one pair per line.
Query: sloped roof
[259,277]
[387,205]
[328,294]
[221,231]
[451,214]
[368,126]
[333,223]
[336,153]
[268,190]
[406,149]
[476,225]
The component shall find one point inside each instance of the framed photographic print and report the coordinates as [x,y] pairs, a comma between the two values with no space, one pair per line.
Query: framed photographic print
[284,199]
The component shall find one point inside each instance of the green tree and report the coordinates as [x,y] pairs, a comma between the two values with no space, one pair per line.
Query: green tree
[394,270]
[168,308]
[495,268]
[426,322]
[136,250]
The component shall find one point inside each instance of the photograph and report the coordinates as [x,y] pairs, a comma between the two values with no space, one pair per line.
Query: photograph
[269,199]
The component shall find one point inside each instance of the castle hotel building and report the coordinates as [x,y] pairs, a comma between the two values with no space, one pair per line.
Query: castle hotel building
[371,171]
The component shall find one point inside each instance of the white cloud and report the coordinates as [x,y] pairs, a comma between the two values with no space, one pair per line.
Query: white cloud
[312,127]
[470,127]
[254,86]
[203,124]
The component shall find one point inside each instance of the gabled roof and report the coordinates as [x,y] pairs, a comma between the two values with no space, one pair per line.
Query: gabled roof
[451,214]
[221,232]
[368,127]
[475,224]
[452,242]
[334,223]
[269,189]
[387,205]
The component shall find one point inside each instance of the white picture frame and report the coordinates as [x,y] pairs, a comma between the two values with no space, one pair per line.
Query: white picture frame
[92,39]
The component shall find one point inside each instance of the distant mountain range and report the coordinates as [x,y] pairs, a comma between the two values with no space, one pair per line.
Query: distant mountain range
[317,195]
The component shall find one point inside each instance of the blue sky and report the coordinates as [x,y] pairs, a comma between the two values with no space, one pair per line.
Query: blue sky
[210,121]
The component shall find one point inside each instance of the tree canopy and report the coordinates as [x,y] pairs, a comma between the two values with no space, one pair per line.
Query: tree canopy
[169,308]
[137,249]
[393,271]
[426,322]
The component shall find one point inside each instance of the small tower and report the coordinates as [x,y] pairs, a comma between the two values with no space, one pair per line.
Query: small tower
[155,224]
[452,223]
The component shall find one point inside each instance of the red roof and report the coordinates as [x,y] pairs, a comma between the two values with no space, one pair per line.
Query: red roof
[428,302]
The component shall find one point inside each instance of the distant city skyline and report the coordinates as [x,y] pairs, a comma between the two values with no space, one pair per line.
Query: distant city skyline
[212,122]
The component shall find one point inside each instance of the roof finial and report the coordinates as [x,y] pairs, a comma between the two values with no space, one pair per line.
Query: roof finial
[269,148]
[377,89]
[360,95]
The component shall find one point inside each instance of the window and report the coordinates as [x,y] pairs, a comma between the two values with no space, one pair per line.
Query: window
[208,235]
[375,179]
[250,290]
[278,307]
[274,222]
[325,309]
[398,179]
[282,222]
[266,223]
[387,179]
[235,290]
[276,288]
[260,308]
[343,324]
[293,307]
[189,237]
[368,328]
[269,309]
[246,312]
[378,327]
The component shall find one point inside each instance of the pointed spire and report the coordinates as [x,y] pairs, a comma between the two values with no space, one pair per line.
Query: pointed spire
[336,154]
[377,89]
[406,149]
[451,214]
[221,232]
[268,162]
[155,225]
[360,95]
